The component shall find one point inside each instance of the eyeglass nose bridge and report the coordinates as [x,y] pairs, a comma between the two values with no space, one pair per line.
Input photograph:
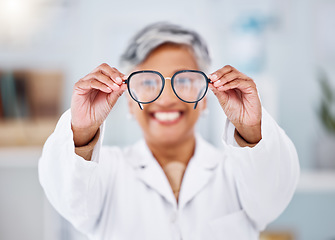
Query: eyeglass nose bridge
[164,86]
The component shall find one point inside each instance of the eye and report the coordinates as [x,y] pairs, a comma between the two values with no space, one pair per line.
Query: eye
[183,81]
[148,82]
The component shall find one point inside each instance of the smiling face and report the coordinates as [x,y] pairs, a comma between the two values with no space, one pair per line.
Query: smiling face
[168,120]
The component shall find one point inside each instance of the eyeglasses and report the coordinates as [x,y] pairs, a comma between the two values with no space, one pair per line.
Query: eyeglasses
[146,86]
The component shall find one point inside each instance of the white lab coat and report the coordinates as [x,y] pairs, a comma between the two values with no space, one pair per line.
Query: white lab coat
[231,193]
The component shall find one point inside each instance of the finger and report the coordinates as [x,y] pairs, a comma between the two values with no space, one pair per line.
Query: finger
[102,78]
[123,87]
[219,73]
[228,77]
[241,84]
[214,89]
[92,84]
[222,96]
[111,72]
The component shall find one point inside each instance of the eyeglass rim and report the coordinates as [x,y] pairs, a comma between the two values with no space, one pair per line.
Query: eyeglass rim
[163,84]
[195,71]
[145,71]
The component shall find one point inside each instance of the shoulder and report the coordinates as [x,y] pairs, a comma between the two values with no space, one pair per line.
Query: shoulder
[128,155]
[206,153]
[205,147]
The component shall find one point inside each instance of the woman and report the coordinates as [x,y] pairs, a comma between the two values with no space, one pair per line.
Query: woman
[172,184]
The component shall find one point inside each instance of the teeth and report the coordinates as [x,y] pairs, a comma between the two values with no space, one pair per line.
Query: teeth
[167,116]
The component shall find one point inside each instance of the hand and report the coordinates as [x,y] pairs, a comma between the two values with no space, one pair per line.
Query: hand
[92,100]
[238,97]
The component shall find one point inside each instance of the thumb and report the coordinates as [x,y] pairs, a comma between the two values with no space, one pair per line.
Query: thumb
[113,97]
[220,95]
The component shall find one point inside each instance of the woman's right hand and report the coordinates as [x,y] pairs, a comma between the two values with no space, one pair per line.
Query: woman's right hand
[92,100]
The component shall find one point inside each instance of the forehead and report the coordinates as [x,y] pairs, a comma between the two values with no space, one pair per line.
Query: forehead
[169,58]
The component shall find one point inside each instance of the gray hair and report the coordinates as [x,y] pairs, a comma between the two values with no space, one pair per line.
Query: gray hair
[157,34]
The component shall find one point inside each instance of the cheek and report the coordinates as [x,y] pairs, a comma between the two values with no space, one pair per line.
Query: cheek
[194,117]
[141,116]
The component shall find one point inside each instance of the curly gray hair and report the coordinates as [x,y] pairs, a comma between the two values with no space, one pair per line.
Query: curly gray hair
[157,34]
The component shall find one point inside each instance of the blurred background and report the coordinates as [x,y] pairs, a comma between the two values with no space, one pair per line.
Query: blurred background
[287,46]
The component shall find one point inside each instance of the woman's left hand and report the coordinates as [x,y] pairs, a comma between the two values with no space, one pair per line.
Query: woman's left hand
[238,97]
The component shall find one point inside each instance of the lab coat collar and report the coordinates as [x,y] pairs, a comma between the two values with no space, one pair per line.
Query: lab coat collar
[150,172]
[198,172]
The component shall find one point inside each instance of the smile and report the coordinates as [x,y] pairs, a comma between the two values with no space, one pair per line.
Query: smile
[167,117]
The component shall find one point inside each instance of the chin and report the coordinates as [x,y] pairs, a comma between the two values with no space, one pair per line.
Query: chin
[169,138]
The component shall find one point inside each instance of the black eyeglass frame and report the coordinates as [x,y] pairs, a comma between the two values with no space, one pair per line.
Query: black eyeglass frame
[163,85]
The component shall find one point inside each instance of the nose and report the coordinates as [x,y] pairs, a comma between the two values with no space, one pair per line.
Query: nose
[167,96]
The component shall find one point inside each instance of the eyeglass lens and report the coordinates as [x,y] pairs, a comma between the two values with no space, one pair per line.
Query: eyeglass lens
[146,87]
[189,86]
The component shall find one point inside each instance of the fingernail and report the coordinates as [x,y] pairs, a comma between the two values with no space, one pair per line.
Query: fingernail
[124,77]
[216,83]
[213,77]
[109,88]
[118,80]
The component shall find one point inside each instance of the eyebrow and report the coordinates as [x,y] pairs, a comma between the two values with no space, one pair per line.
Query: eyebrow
[182,69]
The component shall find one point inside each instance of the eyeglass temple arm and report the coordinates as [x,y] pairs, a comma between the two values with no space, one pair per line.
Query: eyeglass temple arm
[140,105]
[196,104]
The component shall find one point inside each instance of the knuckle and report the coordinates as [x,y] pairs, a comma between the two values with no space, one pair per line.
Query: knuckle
[91,82]
[114,69]
[253,84]
[78,83]
[250,80]
[232,69]
[99,74]
[104,65]
[228,67]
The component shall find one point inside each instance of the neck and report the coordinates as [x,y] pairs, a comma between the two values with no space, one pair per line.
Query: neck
[166,153]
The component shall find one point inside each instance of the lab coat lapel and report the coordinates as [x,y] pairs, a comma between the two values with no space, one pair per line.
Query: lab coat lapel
[151,174]
[199,172]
